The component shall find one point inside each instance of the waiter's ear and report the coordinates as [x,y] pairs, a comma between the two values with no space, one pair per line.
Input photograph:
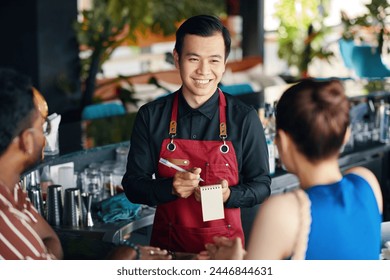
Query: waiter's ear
[176,59]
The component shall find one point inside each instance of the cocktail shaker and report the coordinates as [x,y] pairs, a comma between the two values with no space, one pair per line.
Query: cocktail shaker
[54,205]
[72,208]
[35,195]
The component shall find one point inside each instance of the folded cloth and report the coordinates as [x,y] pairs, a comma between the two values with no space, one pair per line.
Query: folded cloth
[52,138]
[386,251]
[118,208]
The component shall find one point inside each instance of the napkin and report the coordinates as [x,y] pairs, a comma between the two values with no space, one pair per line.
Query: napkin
[118,208]
[52,138]
[386,251]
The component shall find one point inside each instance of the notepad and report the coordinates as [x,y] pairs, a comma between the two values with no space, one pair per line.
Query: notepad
[212,202]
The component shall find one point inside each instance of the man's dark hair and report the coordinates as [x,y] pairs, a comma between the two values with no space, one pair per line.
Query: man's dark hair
[16,106]
[205,26]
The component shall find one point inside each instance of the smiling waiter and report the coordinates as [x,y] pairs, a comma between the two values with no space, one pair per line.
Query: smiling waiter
[209,133]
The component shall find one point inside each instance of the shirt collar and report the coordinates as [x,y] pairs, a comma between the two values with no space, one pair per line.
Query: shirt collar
[208,109]
[4,191]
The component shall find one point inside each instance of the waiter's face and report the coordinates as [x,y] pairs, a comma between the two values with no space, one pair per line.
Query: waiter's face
[201,65]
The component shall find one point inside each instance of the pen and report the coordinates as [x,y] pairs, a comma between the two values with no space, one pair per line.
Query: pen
[174,166]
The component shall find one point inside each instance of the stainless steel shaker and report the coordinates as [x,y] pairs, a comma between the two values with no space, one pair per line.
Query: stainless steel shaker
[35,195]
[34,191]
[54,205]
[72,214]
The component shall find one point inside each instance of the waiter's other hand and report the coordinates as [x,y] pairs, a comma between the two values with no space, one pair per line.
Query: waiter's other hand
[184,183]
[225,191]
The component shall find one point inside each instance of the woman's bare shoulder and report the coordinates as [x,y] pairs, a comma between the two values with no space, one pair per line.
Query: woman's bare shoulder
[371,179]
[281,206]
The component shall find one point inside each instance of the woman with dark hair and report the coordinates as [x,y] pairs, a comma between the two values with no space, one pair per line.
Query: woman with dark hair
[333,215]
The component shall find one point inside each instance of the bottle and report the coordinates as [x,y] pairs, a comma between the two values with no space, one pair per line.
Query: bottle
[107,179]
[384,119]
[271,154]
[45,181]
[269,130]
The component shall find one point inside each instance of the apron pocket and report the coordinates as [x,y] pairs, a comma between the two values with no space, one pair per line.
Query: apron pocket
[216,172]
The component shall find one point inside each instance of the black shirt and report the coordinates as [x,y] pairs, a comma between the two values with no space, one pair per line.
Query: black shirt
[151,127]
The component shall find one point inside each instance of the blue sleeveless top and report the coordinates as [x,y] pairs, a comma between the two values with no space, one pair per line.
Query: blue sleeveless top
[346,222]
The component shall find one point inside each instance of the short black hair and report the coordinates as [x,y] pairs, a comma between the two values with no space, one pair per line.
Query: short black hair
[205,26]
[16,105]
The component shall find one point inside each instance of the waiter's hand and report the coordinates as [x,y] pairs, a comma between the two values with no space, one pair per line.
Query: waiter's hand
[225,191]
[184,183]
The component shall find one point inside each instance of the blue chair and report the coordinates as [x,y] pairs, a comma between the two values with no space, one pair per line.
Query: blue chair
[102,110]
[367,63]
[346,47]
[237,89]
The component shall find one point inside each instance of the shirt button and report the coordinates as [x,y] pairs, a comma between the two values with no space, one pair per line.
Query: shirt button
[194,136]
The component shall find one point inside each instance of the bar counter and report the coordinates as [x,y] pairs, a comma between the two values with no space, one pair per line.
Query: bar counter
[94,242]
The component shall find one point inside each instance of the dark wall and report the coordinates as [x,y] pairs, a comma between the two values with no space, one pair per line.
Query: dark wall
[252,13]
[19,47]
[37,39]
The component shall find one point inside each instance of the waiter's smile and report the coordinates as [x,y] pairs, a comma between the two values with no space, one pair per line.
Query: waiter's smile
[202,81]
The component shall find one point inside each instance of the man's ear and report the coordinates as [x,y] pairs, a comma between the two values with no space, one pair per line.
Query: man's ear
[176,59]
[26,142]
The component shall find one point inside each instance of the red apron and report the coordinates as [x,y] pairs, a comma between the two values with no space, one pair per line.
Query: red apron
[178,225]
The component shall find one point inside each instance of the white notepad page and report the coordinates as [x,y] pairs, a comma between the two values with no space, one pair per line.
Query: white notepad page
[212,202]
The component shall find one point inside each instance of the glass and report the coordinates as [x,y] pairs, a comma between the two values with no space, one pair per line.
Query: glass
[52,147]
[117,176]
[66,177]
[361,133]
[92,183]
[108,184]
[46,128]
[121,155]
[46,180]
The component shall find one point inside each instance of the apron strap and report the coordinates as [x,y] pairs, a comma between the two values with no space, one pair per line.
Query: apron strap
[222,116]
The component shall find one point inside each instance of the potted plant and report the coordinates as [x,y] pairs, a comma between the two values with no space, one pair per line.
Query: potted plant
[301,33]
[369,28]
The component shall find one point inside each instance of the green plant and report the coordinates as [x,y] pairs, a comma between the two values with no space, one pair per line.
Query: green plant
[301,32]
[111,23]
[120,130]
[370,27]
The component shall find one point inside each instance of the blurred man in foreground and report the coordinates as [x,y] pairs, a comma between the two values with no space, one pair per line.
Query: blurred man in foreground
[24,234]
